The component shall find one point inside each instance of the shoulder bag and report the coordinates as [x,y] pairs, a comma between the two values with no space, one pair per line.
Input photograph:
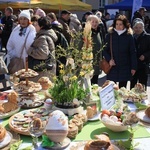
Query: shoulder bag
[17,63]
[104,64]
[3,67]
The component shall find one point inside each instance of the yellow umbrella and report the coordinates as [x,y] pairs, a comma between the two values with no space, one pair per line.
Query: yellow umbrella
[51,4]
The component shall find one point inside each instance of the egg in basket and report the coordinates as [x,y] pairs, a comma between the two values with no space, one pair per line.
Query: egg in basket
[118,121]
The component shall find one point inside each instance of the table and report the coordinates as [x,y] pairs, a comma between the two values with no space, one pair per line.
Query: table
[142,134]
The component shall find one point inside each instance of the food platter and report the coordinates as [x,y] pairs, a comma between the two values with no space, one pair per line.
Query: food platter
[31,100]
[6,115]
[142,116]
[6,140]
[20,121]
[26,74]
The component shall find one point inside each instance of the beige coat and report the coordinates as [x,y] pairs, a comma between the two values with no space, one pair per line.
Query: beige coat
[42,46]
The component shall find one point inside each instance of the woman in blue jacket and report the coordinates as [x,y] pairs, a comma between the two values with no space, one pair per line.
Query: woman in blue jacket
[124,62]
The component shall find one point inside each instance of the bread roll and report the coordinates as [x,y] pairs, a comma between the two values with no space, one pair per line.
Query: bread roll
[147,112]
[45,83]
[2,133]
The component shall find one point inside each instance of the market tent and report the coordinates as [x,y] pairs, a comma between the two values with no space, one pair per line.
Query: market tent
[75,5]
[127,5]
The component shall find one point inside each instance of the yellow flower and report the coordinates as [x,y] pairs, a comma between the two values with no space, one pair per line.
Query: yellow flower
[73,78]
[54,78]
[82,73]
[62,71]
[61,66]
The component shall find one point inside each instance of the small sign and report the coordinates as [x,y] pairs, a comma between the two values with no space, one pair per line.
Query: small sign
[107,98]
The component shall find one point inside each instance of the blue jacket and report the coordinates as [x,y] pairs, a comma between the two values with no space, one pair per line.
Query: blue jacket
[124,55]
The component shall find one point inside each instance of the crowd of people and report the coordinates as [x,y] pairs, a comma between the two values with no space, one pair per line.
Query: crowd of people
[34,34]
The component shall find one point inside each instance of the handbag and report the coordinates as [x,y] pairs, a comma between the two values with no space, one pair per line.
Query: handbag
[39,65]
[3,67]
[17,63]
[104,64]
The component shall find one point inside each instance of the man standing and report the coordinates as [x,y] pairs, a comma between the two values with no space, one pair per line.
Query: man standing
[7,21]
[64,20]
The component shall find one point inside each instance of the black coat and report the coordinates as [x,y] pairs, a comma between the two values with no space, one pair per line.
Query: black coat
[142,44]
[124,55]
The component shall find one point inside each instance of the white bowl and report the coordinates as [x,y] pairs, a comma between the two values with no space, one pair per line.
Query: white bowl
[114,127]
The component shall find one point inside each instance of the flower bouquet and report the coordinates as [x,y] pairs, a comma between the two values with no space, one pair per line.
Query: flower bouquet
[69,87]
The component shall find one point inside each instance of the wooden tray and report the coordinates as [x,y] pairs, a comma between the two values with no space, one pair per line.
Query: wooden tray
[25,132]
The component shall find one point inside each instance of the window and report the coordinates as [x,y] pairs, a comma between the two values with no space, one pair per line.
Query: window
[101,3]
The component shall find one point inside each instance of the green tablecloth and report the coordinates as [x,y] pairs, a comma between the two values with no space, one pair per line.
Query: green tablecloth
[96,127]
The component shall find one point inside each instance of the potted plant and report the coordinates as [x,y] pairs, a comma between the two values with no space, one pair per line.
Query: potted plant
[69,86]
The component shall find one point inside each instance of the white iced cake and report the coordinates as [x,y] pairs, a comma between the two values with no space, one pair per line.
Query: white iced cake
[57,121]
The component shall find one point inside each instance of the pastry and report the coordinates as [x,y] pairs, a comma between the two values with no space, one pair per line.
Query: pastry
[81,117]
[102,142]
[57,126]
[78,123]
[90,112]
[37,123]
[2,133]
[45,83]
[98,145]
[26,74]
[29,100]
[72,131]
[12,103]
[147,112]
[30,88]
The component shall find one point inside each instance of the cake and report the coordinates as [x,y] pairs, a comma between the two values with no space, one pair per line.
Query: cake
[147,112]
[2,133]
[57,126]
[102,142]
[72,131]
[45,83]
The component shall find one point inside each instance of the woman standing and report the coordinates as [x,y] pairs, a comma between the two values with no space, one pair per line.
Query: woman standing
[142,43]
[42,50]
[124,62]
[24,31]
[97,41]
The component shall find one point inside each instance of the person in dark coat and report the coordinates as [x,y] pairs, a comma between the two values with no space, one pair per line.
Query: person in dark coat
[97,44]
[142,43]
[7,20]
[64,20]
[124,62]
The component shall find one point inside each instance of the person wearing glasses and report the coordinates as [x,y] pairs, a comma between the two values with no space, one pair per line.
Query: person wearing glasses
[24,31]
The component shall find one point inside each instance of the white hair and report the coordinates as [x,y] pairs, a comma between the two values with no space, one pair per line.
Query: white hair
[137,23]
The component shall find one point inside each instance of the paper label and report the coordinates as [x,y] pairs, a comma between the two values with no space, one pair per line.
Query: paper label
[107,98]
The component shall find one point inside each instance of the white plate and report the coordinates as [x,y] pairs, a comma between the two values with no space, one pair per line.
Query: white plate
[6,140]
[6,115]
[96,117]
[142,116]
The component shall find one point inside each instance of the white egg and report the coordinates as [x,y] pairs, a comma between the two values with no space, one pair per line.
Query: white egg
[110,121]
[114,118]
[118,123]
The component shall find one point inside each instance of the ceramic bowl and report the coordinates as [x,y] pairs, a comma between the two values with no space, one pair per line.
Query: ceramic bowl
[114,126]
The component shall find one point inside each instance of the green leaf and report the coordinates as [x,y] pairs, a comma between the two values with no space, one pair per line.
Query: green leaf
[15,146]
[140,106]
